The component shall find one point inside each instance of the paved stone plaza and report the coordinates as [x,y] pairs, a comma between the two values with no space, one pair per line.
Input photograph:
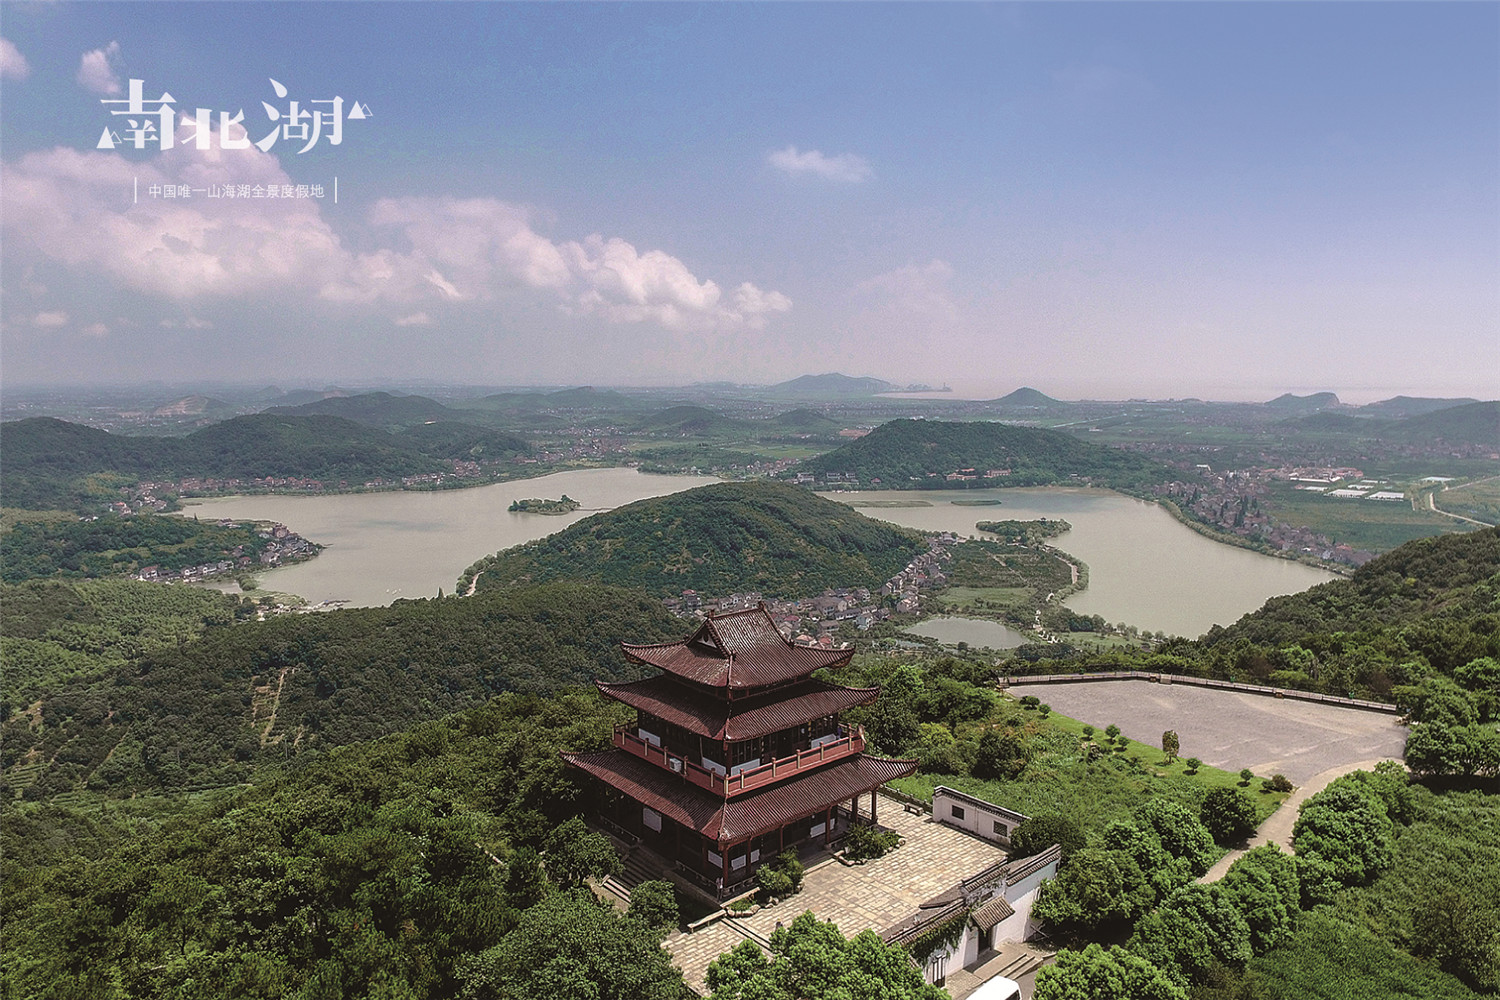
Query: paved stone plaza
[1231,729]
[873,895]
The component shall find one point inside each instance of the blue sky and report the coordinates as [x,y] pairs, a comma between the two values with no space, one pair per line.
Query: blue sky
[1219,200]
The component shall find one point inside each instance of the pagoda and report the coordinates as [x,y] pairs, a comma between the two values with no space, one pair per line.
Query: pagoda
[736,752]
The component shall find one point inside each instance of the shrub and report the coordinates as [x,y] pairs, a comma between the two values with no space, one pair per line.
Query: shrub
[1193,764]
[1276,783]
[1246,776]
[1229,815]
[867,842]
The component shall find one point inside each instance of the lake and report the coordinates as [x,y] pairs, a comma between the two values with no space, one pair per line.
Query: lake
[974,631]
[1144,567]
[386,546]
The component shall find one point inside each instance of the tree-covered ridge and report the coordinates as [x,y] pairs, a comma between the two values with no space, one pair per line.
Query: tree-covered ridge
[435,863]
[1448,576]
[52,463]
[208,711]
[117,546]
[718,539]
[920,454]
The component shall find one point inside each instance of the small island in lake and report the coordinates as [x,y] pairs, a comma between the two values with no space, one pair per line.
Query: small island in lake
[566,505]
[1026,532]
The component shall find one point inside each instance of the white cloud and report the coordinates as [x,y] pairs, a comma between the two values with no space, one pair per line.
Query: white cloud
[51,320]
[13,65]
[415,319]
[96,330]
[96,70]
[914,288]
[75,208]
[845,168]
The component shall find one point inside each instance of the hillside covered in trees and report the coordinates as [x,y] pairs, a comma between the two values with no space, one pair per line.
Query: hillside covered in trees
[920,454]
[103,706]
[50,463]
[718,539]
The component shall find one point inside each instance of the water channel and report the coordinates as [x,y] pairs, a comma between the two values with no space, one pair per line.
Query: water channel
[1144,567]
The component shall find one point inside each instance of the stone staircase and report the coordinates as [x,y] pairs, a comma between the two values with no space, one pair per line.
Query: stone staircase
[639,867]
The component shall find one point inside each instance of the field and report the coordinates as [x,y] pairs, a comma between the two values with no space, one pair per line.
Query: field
[1479,500]
[1375,525]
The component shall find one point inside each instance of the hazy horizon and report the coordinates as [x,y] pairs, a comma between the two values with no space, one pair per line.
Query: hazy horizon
[1101,201]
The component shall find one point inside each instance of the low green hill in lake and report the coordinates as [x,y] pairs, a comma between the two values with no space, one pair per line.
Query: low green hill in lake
[719,539]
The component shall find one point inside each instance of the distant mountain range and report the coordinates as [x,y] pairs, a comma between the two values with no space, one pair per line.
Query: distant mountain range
[729,537]
[1412,406]
[52,463]
[923,454]
[1467,425]
[831,384]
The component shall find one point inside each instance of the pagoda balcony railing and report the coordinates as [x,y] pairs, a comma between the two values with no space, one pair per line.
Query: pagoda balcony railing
[850,741]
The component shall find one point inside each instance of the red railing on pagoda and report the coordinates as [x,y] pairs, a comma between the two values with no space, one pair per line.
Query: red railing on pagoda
[851,741]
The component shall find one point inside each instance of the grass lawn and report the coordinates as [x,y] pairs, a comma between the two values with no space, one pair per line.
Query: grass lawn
[1061,778]
[991,596]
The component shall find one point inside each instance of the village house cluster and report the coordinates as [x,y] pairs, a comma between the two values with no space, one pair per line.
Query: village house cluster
[282,545]
[812,621]
[1230,502]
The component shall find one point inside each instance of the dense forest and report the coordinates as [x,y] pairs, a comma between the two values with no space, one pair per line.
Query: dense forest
[918,454]
[50,463]
[208,708]
[729,537]
[369,803]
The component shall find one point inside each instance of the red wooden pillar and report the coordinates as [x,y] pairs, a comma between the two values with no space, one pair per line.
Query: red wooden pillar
[724,858]
[827,825]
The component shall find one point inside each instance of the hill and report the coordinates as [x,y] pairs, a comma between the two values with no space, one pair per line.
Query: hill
[805,421]
[921,454]
[1412,406]
[206,712]
[374,409]
[1443,576]
[1474,424]
[582,398]
[831,384]
[51,463]
[1027,396]
[719,539]
[692,421]
[1316,401]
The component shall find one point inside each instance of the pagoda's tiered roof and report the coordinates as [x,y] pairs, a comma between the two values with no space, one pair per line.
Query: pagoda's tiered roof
[734,820]
[737,651]
[717,719]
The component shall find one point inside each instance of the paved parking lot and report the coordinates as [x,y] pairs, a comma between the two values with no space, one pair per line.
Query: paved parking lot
[1231,729]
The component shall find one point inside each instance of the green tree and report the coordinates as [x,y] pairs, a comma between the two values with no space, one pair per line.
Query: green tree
[1195,928]
[572,946]
[1098,890]
[654,903]
[524,882]
[812,958]
[1263,886]
[1003,753]
[1228,814]
[1037,833]
[1097,973]
[574,855]
[1344,833]
[1170,745]
[1180,831]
